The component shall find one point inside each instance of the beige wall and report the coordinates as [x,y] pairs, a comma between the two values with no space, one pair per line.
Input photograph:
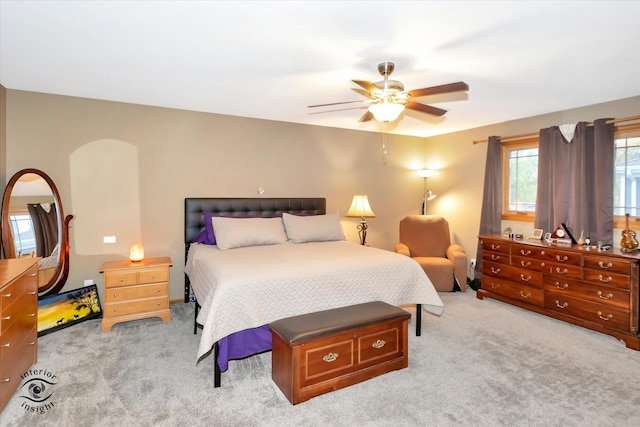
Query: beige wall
[460,181]
[133,165]
[125,170]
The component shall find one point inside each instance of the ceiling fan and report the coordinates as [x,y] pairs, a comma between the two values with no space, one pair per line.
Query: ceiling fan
[388,98]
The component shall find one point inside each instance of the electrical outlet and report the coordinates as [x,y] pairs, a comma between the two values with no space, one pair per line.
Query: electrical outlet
[472,264]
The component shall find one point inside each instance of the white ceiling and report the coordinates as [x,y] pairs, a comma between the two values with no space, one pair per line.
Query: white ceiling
[269,60]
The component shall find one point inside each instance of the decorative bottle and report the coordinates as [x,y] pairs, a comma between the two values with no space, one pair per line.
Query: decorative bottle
[587,241]
[581,238]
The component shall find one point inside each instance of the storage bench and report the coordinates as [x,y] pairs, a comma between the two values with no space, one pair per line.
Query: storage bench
[316,353]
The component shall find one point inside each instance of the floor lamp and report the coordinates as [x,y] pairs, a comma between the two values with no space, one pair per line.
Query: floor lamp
[427,194]
[360,208]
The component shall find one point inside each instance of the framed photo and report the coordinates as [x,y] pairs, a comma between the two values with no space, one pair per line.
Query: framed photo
[68,308]
[537,234]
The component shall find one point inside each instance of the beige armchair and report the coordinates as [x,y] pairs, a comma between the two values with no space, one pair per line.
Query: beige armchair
[426,239]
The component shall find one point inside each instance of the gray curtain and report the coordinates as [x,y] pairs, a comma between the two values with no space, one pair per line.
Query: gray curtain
[575,181]
[45,228]
[491,215]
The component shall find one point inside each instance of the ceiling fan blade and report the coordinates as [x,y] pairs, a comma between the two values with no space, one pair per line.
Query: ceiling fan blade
[366,117]
[434,90]
[336,103]
[370,87]
[435,111]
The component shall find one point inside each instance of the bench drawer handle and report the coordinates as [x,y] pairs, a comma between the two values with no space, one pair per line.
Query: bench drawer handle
[331,357]
[378,344]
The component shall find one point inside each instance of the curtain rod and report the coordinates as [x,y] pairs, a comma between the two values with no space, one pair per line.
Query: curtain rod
[524,135]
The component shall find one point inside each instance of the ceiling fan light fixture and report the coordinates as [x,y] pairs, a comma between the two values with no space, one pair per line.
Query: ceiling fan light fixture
[386,111]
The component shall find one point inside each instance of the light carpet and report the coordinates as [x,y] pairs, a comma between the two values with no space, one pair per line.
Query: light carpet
[482,363]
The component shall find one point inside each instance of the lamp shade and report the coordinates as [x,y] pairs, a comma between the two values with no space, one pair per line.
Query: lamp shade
[425,173]
[386,111]
[137,252]
[360,207]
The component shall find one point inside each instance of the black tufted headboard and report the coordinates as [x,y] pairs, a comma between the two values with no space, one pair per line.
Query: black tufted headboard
[267,207]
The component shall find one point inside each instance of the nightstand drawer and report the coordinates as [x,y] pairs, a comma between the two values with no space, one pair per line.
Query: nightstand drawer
[135,306]
[136,292]
[120,278]
[153,276]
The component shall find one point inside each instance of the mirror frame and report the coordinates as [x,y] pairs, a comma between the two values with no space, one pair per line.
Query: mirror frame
[59,278]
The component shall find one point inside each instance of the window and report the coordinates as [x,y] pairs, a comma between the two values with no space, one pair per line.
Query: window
[23,236]
[520,179]
[520,176]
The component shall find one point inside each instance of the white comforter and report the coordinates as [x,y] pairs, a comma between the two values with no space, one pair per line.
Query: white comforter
[249,287]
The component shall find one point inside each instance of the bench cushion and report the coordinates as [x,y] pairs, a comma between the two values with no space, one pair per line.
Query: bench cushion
[328,322]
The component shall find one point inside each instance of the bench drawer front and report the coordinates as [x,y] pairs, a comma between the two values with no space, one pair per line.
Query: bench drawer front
[379,346]
[326,360]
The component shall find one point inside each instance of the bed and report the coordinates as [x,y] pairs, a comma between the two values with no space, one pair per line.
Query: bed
[239,289]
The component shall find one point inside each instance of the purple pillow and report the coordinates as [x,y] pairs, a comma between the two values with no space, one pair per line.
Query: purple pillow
[207,236]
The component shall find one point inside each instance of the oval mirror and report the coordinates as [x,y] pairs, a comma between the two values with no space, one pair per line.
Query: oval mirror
[33,224]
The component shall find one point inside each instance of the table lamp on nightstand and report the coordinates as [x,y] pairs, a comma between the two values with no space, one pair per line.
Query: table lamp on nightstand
[136,254]
[360,208]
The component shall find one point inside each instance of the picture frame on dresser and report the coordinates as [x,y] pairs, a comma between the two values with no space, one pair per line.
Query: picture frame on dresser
[68,308]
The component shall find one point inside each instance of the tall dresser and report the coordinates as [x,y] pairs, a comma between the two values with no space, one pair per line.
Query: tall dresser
[584,286]
[18,322]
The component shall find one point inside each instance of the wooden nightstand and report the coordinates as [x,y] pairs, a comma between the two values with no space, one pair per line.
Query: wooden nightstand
[135,290]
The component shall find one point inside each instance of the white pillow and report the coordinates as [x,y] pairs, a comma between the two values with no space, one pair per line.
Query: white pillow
[314,228]
[240,232]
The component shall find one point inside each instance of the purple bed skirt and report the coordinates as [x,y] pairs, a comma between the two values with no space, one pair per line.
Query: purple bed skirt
[243,344]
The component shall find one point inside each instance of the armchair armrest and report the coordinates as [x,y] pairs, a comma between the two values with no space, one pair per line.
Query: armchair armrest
[457,255]
[401,248]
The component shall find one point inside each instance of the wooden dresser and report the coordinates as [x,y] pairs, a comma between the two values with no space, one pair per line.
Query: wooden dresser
[584,286]
[135,290]
[18,322]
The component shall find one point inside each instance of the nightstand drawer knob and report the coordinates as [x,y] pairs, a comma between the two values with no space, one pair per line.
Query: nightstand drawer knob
[115,295]
[158,290]
[158,304]
[122,279]
[115,309]
[153,276]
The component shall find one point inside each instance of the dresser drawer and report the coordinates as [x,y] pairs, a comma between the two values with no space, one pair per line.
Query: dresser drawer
[605,315]
[528,251]
[607,278]
[135,307]
[558,256]
[496,246]
[498,257]
[23,314]
[26,284]
[564,270]
[517,274]
[136,292]
[597,293]
[528,294]
[529,263]
[608,264]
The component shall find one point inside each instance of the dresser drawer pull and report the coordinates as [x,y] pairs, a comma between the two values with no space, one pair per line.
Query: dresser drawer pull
[331,357]
[494,286]
[563,286]
[122,279]
[523,295]
[7,295]
[33,275]
[525,264]
[525,278]
[32,293]
[563,306]
[495,270]
[608,296]
[7,345]
[609,316]
[495,247]
[523,252]
[495,257]
[6,380]
[605,280]
[563,271]
[6,318]
[31,343]
[31,315]
[603,265]
[378,344]
[563,259]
